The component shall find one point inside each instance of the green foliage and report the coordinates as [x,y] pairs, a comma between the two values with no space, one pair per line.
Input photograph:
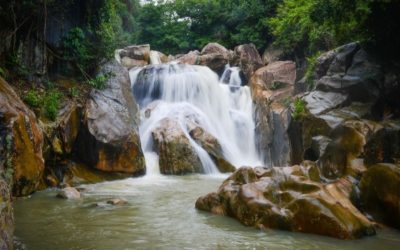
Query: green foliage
[48,103]
[51,103]
[2,72]
[180,25]
[32,98]
[310,70]
[287,102]
[319,24]
[99,82]
[74,91]
[299,108]
[276,85]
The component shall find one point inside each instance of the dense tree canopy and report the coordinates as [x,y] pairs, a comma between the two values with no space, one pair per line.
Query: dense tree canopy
[88,31]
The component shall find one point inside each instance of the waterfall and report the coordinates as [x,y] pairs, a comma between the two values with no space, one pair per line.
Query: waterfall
[154,58]
[191,93]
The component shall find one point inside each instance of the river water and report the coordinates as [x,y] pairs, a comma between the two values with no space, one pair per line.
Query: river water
[160,214]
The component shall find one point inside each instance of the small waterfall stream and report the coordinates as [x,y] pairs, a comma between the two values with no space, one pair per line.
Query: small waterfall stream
[195,94]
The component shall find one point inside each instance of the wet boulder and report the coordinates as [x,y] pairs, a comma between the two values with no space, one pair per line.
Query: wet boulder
[287,199]
[211,145]
[109,139]
[176,154]
[21,142]
[380,193]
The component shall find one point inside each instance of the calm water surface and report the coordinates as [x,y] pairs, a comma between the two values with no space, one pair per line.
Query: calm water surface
[160,214]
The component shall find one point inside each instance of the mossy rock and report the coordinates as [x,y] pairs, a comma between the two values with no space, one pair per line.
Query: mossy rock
[380,193]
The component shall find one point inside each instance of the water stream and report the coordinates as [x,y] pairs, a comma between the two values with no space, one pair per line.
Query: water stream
[160,212]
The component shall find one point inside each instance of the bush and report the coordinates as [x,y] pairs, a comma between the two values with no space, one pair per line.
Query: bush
[99,82]
[51,104]
[32,98]
[299,108]
[310,70]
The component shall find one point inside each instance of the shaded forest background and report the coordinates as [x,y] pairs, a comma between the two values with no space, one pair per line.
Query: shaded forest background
[85,33]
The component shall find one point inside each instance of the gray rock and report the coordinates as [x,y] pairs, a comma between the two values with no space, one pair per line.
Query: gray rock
[109,139]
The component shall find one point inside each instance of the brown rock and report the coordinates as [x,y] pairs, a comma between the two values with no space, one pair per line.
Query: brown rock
[22,139]
[130,63]
[248,59]
[176,154]
[380,193]
[137,52]
[285,198]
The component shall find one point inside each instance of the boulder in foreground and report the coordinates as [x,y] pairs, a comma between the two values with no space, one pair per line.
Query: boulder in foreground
[289,198]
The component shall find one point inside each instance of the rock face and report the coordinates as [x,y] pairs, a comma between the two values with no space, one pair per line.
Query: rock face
[21,141]
[348,94]
[380,193]
[271,87]
[6,213]
[109,139]
[291,199]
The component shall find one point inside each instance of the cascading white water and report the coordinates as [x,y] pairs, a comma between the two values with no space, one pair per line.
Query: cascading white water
[194,94]
[154,58]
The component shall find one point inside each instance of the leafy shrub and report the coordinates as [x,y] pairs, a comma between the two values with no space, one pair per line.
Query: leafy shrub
[311,63]
[299,108]
[99,82]
[32,98]
[51,104]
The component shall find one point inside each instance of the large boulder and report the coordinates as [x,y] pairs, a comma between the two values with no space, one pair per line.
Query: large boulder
[176,154]
[248,59]
[178,145]
[213,55]
[289,198]
[214,48]
[380,193]
[272,54]
[109,139]
[21,142]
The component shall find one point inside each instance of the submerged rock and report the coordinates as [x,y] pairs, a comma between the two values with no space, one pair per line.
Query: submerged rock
[21,142]
[69,193]
[287,199]
[109,139]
